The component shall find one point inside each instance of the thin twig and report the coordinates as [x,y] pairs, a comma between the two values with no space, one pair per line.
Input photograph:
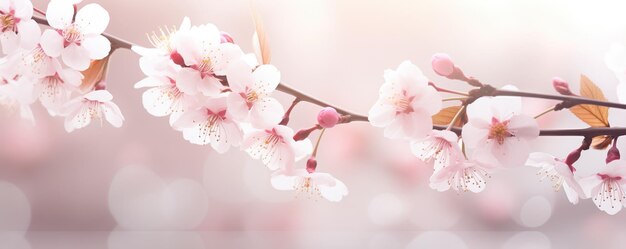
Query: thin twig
[115,41]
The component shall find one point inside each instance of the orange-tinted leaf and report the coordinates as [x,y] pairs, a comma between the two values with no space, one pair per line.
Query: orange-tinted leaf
[94,74]
[259,40]
[595,116]
[601,142]
[445,116]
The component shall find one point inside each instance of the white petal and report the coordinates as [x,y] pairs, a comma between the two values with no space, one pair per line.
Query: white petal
[52,43]
[92,19]
[239,75]
[113,114]
[381,114]
[523,126]
[266,78]
[480,109]
[99,95]
[59,14]
[473,133]
[10,42]
[237,107]
[266,112]
[284,182]
[188,80]
[334,193]
[97,46]
[512,152]
[76,57]
[572,195]
[428,99]
[223,56]
[29,33]
[152,81]
[159,101]
[23,8]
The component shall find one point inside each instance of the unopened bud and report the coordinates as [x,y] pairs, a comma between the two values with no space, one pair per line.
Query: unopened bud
[226,38]
[328,117]
[304,133]
[561,86]
[177,58]
[442,64]
[311,165]
[613,153]
[573,157]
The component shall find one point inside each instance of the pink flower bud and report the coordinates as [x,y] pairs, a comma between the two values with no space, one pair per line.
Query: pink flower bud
[226,38]
[613,153]
[442,64]
[328,117]
[573,157]
[561,86]
[311,164]
[177,58]
[304,133]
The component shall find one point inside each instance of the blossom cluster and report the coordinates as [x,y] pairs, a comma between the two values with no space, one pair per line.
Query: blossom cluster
[58,67]
[495,135]
[217,95]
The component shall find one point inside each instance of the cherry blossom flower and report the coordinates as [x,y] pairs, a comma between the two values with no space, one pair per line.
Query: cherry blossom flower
[55,89]
[250,100]
[77,40]
[607,187]
[211,124]
[16,95]
[559,173]
[36,62]
[205,57]
[439,146]
[163,51]
[275,147]
[17,29]
[97,104]
[496,126]
[166,94]
[464,175]
[310,184]
[406,103]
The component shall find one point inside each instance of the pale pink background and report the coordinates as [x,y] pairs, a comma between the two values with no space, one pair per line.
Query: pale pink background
[336,50]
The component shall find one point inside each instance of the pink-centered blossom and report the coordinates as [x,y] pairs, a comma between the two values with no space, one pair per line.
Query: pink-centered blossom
[16,95]
[166,95]
[312,185]
[77,39]
[205,57]
[439,146]
[211,124]
[558,173]
[496,126]
[55,89]
[406,104]
[275,147]
[607,187]
[464,175]
[94,105]
[250,99]
[17,29]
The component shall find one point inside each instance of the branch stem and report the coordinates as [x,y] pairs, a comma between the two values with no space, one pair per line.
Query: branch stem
[115,41]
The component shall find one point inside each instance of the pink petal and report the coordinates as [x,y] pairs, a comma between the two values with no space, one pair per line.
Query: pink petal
[99,95]
[113,114]
[266,112]
[23,8]
[9,41]
[266,78]
[237,107]
[524,127]
[381,115]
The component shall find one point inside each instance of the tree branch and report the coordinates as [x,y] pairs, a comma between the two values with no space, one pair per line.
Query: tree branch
[115,41]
